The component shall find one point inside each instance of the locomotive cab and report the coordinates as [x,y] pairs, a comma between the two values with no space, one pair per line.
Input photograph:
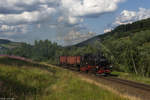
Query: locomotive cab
[95,63]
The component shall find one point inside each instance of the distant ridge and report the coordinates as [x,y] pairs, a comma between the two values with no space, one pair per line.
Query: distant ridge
[88,41]
[8,44]
[4,41]
[120,31]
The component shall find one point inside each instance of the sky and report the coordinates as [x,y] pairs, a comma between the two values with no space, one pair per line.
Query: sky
[66,22]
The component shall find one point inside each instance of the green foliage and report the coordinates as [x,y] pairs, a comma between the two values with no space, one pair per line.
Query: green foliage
[129,53]
[132,77]
[40,51]
[50,52]
[127,30]
[127,47]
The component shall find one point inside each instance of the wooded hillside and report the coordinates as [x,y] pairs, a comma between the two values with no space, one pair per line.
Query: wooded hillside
[127,47]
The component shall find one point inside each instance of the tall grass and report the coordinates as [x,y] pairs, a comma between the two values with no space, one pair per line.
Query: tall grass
[22,82]
[132,77]
[31,83]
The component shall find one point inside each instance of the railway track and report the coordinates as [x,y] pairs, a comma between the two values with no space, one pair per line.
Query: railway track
[121,81]
[131,88]
[141,86]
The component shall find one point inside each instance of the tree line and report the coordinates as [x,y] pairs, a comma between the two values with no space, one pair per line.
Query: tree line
[45,50]
[127,47]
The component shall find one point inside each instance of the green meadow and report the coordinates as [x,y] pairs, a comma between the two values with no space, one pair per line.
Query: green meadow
[26,81]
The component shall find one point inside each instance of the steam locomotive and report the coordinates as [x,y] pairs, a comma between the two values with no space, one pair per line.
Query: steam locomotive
[97,64]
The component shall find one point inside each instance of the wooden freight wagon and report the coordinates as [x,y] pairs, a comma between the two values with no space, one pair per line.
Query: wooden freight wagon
[63,60]
[78,59]
[73,60]
[70,60]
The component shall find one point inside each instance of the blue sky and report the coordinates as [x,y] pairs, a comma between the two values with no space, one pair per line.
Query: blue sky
[66,21]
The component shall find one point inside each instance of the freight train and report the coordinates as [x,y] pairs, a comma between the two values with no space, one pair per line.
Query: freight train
[97,64]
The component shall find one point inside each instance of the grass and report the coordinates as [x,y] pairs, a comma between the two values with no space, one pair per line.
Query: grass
[31,83]
[133,77]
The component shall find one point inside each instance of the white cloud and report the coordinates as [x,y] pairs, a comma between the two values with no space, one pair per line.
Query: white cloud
[6,28]
[17,15]
[76,37]
[30,11]
[74,20]
[131,16]
[107,30]
[76,9]
[11,30]
[27,17]
[89,7]
[22,4]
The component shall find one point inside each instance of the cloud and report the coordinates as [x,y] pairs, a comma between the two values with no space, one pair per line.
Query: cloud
[27,17]
[70,20]
[89,7]
[71,11]
[11,30]
[75,10]
[18,16]
[131,16]
[107,30]
[75,37]
[23,5]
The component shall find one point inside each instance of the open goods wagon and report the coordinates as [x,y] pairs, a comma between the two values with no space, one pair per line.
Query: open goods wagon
[70,60]
[93,63]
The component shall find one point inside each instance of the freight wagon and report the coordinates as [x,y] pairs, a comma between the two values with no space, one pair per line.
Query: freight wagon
[97,64]
[70,60]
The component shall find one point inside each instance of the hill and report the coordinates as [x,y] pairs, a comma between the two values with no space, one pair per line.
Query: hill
[86,42]
[126,47]
[4,41]
[7,44]
[120,31]
[26,81]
